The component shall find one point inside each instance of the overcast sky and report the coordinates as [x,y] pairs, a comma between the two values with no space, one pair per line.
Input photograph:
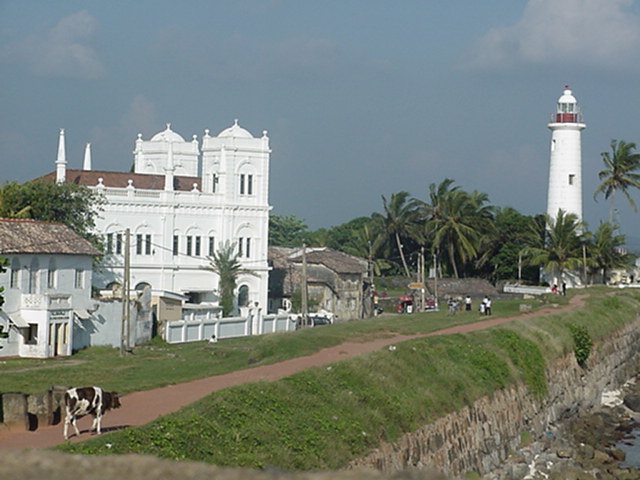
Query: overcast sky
[360,98]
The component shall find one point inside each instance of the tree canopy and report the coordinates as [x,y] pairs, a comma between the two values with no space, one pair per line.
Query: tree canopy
[73,205]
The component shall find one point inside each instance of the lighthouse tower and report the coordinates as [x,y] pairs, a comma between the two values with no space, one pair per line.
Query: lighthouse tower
[565,167]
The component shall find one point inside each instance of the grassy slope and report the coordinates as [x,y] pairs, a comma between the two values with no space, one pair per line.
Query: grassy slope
[159,364]
[325,417]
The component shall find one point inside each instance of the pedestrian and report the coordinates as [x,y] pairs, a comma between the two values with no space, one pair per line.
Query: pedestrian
[564,289]
[482,307]
[467,303]
[487,305]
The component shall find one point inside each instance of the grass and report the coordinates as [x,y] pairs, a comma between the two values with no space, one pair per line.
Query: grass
[158,364]
[323,418]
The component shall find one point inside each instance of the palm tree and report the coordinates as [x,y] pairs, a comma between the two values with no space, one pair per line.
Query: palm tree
[605,250]
[400,216]
[456,221]
[225,263]
[621,173]
[563,247]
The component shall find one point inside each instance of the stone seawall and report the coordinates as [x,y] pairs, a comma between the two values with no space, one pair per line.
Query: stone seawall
[481,436]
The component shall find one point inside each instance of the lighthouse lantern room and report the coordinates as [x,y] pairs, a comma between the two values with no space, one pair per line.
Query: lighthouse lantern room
[565,166]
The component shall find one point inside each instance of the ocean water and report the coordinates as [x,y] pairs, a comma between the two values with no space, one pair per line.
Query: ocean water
[631,448]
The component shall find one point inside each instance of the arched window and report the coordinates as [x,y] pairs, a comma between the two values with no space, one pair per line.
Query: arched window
[34,270]
[15,273]
[243,296]
[51,274]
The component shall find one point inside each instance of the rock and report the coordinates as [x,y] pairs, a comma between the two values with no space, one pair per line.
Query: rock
[617,454]
[564,453]
[601,458]
[632,402]
[585,452]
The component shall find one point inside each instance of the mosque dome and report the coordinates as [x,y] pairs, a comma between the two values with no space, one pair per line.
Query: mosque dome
[167,135]
[235,131]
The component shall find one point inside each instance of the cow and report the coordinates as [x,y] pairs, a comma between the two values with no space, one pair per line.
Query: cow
[87,401]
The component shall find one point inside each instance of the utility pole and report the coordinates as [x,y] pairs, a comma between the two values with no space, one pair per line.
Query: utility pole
[124,340]
[519,267]
[422,278]
[435,278]
[305,313]
[584,263]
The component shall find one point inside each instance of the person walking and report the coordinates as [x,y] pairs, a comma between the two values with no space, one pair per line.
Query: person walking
[467,303]
[487,306]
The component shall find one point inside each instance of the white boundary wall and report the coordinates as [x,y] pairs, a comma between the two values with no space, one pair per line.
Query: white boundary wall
[198,326]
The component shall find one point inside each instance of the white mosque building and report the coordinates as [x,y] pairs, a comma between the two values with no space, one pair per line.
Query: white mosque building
[181,202]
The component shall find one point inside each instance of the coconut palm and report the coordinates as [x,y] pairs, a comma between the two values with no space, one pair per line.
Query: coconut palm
[400,217]
[225,263]
[605,250]
[621,173]
[563,247]
[456,221]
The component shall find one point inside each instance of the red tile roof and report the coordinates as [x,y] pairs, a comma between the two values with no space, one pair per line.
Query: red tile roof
[144,181]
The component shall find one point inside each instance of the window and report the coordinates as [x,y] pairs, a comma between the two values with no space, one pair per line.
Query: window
[197,252]
[79,278]
[246,184]
[15,270]
[108,247]
[247,252]
[240,241]
[139,244]
[147,244]
[51,274]
[189,244]
[212,246]
[118,243]
[572,177]
[243,296]
[32,334]
[176,243]
[214,182]
[33,276]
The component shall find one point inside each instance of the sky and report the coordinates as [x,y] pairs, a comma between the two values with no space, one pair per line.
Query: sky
[361,98]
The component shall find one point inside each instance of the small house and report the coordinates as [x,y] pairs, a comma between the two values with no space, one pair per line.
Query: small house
[47,285]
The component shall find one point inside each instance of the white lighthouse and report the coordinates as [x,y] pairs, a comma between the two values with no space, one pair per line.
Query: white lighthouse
[565,166]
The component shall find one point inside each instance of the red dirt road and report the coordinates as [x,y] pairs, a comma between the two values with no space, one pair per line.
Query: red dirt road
[143,407]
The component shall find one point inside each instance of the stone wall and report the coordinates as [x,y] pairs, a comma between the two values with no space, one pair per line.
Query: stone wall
[22,411]
[481,436]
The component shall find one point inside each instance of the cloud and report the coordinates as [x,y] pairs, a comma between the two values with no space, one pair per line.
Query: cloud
[595,33]
[62,51]
[141,116]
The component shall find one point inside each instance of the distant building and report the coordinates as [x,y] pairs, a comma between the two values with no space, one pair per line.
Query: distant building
[47,286]
[180,203]
[337,282]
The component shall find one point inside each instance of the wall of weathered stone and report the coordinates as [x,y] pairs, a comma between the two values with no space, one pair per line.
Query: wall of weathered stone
[481,436]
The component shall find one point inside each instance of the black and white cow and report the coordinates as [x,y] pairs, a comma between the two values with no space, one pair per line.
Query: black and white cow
[87,401]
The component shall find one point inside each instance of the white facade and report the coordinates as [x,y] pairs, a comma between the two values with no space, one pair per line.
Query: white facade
[44,295]
[565,166]
[179,212]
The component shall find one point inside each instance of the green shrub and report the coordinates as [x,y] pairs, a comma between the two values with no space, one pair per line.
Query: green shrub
[582,342]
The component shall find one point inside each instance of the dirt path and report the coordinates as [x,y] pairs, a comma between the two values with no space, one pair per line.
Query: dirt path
[143,407]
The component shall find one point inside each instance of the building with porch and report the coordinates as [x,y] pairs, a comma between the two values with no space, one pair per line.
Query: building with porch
[47,286]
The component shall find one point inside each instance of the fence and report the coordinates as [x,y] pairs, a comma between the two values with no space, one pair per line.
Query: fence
[203,324]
